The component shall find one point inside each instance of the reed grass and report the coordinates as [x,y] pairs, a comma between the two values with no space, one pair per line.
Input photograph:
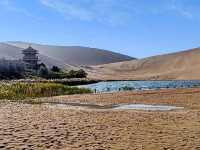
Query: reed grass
[14,91]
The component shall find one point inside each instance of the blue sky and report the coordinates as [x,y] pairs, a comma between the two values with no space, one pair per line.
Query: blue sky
[139,28]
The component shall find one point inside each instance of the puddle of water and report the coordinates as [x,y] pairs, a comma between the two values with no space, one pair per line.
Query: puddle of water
[113,107]
[62,106]
[147,107]
[78,106]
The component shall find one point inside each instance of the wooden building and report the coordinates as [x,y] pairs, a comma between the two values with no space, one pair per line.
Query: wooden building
[30,58]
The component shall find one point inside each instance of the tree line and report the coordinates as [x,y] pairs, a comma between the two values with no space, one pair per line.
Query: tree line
[16,69]
[11,69]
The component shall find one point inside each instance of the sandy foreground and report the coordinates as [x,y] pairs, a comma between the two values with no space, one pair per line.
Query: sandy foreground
[27,126]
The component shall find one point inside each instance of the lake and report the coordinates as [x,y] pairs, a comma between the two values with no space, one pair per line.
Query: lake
[114,86]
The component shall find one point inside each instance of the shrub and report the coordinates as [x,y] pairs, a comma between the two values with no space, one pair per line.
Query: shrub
[127,88]
[81,74]
[77,74]
[43,72]
[55,69]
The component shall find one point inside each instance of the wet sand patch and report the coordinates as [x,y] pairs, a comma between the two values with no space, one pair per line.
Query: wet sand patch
[145,107]
[86,106]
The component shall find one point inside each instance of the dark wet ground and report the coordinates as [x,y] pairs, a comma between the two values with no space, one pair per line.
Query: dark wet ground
[104,107]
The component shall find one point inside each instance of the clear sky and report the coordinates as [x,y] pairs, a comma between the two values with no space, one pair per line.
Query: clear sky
[139,28]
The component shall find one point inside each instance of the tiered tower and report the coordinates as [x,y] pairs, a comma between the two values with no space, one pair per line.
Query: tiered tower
[30,58]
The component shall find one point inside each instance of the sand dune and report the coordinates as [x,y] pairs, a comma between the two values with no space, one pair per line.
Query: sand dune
[75,55]
[101,64]
[8,51]
[181,65]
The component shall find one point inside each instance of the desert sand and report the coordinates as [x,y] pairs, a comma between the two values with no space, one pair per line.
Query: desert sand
[107,65]
[40,126]
[184,65]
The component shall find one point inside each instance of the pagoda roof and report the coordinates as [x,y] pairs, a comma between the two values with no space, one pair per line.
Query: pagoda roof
[30,49]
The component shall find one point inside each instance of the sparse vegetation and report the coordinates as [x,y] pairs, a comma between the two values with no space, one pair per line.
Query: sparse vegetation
[43,71]
[77,74]
[127,88]
[55,69]
[57,73]
[13,91]
[11,69]
[70,82]
[15,69]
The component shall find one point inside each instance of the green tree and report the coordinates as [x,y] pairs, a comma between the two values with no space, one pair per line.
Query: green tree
[43,72]
[55,69]
[81,74]
[77,74]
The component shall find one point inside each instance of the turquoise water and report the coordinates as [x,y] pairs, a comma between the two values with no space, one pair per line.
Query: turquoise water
[114,86]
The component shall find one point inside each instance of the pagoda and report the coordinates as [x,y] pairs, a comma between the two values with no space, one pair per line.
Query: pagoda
[30,58]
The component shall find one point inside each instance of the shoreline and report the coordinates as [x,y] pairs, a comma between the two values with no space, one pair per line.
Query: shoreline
[70,82]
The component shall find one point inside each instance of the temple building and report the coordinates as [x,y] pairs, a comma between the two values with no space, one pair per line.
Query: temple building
[30,58]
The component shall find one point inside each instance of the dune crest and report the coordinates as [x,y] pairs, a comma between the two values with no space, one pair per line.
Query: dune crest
[184,65]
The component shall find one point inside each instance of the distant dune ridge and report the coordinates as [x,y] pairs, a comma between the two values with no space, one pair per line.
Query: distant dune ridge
[66,55]
[102,64]
[183,65]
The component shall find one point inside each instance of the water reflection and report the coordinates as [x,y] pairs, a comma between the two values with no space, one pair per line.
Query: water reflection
[114,86]
[143,107]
